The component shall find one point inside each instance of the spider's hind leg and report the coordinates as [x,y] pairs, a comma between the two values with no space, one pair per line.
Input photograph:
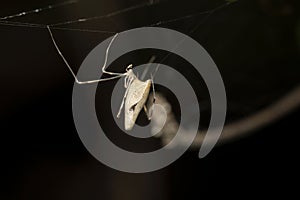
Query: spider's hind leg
[148,107]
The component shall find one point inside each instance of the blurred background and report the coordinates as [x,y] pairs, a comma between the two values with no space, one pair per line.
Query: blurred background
[255,44]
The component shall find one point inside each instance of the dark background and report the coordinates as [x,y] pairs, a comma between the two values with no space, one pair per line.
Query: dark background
[255,44]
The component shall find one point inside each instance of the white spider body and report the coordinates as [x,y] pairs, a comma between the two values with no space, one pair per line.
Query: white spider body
[136,95]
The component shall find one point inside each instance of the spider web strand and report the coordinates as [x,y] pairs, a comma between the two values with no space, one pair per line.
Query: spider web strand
[37,10]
